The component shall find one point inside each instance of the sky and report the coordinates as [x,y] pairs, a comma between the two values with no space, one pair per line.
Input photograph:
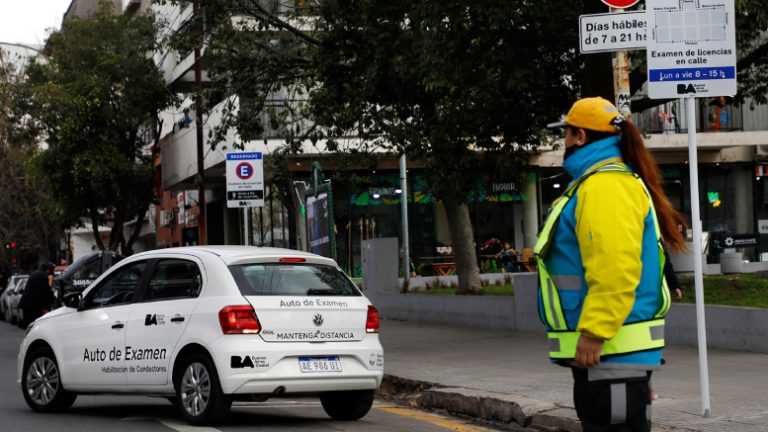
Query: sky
[27,21]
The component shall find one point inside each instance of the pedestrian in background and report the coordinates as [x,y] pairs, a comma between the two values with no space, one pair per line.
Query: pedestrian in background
[601,259]
[37,298]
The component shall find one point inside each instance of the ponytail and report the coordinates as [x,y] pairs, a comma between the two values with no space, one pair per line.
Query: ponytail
[636,156]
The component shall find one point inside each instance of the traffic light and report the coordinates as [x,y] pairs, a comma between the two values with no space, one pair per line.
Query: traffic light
[10,251]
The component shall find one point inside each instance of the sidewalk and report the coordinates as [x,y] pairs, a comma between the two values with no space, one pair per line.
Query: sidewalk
[513,365]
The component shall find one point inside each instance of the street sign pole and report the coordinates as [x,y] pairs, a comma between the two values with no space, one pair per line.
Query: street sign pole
[691,53]
[698,275]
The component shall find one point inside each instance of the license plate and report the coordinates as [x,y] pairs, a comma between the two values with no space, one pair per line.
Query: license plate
[319,364]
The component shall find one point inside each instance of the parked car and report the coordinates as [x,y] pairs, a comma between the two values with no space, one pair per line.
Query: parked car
[82,273]
[206,326]
[7,296]
[16,313]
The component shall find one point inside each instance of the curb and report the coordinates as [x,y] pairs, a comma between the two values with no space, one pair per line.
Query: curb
[498,408]
[501,409]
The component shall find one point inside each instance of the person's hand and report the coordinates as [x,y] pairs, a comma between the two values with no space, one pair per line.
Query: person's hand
[677,293]
[588,351]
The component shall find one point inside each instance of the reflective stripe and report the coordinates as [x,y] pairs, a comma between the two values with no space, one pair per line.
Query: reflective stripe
[554,344]
[657,332]
[618,403]
[567,283]
[594,374]
[630,338]
[553,312]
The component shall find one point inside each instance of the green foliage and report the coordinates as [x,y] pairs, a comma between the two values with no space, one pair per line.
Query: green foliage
[443,79]
[23,217]
[440,79]
[95,96]
[752,50]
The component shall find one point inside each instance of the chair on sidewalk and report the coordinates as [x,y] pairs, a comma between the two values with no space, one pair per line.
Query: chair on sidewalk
[528,260]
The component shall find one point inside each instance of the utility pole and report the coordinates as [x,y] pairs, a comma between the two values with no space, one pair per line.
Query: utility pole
[621,88]
[201,238]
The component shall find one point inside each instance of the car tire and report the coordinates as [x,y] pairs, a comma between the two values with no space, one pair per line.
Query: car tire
[41,383]
[198,392]
[347,405]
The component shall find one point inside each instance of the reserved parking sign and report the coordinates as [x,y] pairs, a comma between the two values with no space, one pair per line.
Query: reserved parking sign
[245,179]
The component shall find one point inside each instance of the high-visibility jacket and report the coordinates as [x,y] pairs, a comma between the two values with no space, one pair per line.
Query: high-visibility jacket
[600,261]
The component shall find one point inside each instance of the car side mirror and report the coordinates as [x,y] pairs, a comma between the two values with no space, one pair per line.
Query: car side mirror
[72,300]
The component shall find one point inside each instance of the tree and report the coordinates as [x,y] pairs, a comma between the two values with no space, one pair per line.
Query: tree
[95,97]
[462,87]
[24,220]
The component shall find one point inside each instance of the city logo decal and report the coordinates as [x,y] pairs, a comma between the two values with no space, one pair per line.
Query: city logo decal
[685,89]
[153,319]
[237,362]
[318,320]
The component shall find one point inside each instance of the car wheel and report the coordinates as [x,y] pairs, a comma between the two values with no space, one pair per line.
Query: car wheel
[347,405]
[41,383]
[198,392]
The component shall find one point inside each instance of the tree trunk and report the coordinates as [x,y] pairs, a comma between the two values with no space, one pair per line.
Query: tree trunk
[95,227]
[460,228]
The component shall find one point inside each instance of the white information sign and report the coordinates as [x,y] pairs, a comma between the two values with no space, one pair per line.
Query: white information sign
[612,32]
[245,179]
[691,48]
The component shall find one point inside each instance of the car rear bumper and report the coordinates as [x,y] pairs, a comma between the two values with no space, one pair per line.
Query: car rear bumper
[251,366]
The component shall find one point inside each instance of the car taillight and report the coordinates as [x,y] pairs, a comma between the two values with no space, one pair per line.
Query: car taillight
[373,320]
[239,319]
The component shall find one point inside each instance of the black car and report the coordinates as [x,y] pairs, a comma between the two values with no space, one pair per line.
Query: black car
[83,272]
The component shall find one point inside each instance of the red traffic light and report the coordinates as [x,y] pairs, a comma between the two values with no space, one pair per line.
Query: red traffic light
[13,245]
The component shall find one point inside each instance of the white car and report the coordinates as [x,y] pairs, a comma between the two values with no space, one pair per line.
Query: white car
[205,326]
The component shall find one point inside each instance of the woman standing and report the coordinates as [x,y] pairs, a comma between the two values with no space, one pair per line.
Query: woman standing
[602,293]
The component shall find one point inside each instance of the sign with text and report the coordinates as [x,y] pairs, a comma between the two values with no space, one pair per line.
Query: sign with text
[245,179]
[612,32]
[691,48]
[319,224]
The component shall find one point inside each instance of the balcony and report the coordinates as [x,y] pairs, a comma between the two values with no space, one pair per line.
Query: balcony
[670,118]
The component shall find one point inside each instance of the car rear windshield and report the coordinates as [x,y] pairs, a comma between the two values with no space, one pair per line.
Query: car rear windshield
[291,280]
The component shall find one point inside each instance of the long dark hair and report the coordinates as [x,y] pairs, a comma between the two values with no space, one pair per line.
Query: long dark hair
[636,156]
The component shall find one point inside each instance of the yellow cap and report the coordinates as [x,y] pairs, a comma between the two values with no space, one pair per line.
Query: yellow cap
[593,113]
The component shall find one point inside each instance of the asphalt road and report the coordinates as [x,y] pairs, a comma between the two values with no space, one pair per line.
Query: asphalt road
[120,413]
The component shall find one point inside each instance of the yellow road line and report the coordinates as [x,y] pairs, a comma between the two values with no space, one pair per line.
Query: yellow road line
[430,418]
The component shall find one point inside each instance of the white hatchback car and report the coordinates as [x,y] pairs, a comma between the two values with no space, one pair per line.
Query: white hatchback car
[205,326]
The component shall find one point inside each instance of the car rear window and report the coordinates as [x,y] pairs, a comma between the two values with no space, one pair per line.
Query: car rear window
[292,280]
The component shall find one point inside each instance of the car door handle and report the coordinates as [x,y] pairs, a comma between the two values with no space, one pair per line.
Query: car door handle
[118,325]
[177,319]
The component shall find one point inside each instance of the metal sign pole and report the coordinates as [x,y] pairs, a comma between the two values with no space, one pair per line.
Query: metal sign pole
[404,207]
[246,239]
[693,166]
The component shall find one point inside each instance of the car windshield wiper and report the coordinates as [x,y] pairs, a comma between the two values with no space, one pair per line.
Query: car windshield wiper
[324,291]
